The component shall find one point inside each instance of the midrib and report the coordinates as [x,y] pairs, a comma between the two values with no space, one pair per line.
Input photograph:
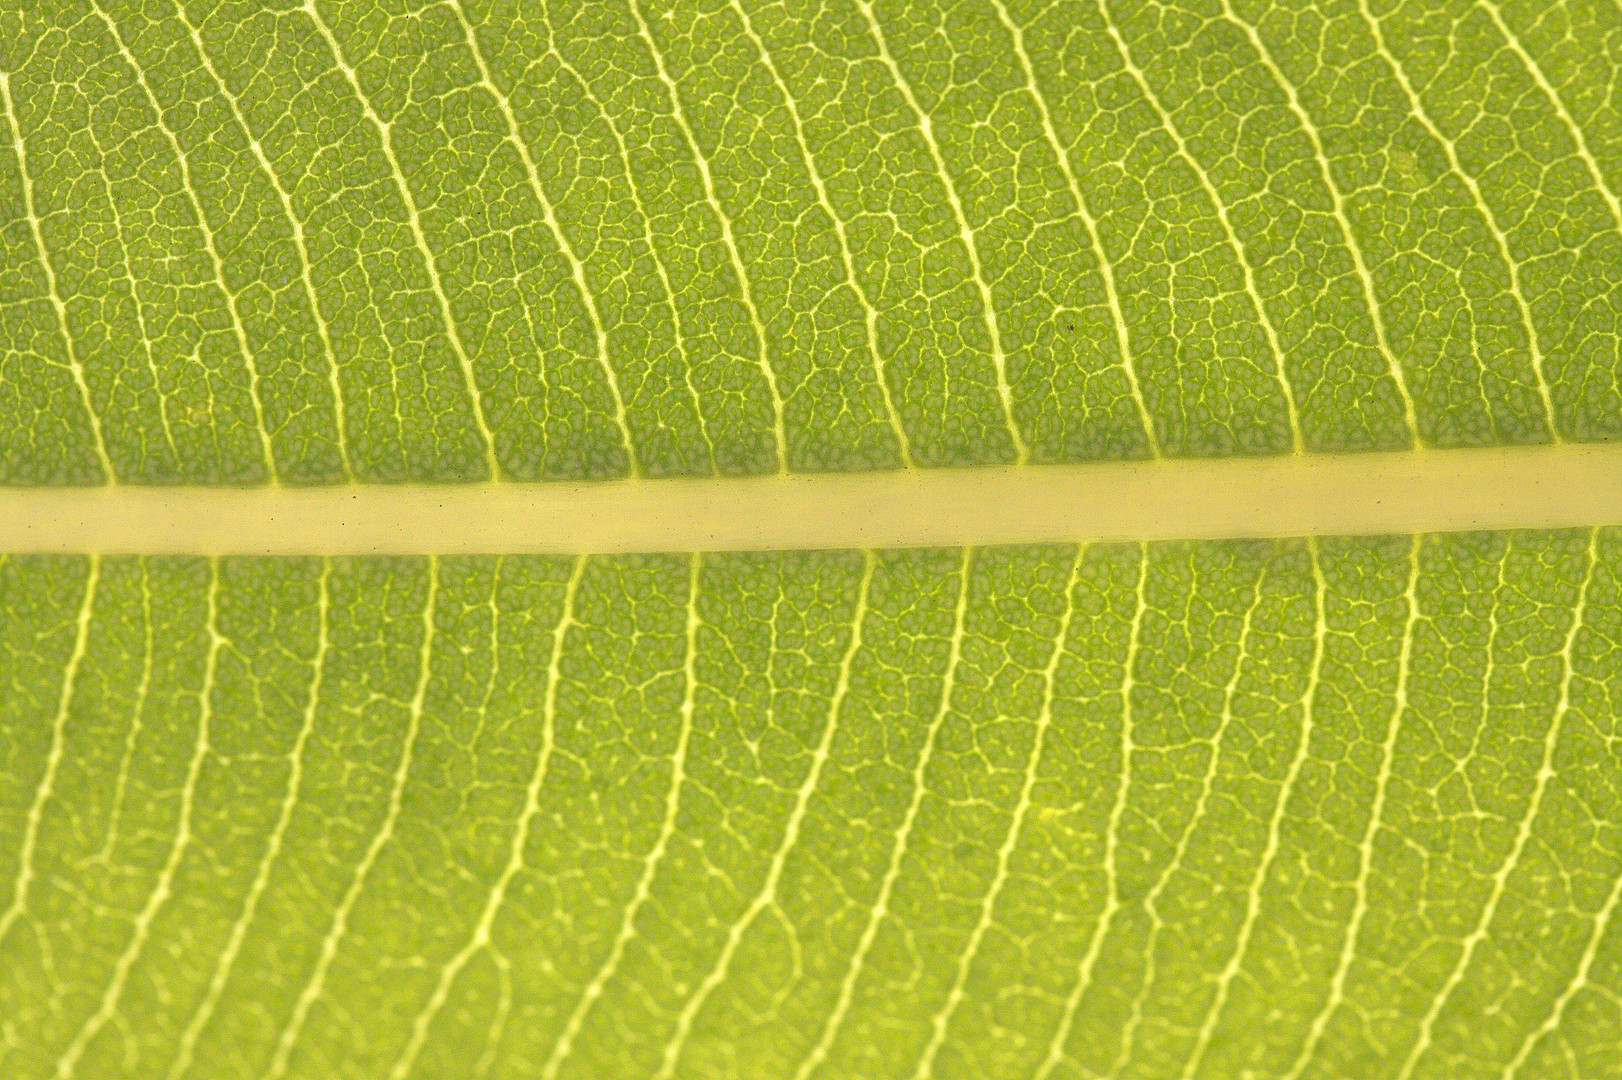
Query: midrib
[1298,495]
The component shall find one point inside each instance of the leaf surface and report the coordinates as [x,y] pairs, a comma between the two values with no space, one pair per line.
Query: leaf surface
[473,240]
[1327,808]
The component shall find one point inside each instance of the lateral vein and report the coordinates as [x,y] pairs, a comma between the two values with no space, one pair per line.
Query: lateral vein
[52,290]
[1338,201]
[210,242]
[766,896]
[1417,110]
[316,983]
[577,269]
[480,937]
[163,888]
[385,132]
[655,856]
[53,756]
[988,309]
[898,850]
[679,115]
[1106,269]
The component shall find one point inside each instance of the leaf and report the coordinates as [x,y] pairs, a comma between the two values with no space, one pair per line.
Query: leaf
[1316,807]
[476,240]
[1326,808]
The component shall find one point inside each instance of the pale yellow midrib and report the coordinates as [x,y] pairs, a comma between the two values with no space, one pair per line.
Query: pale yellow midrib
[1563,486]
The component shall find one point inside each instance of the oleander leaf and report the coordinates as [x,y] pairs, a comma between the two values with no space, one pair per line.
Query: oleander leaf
[477,239]
[1252,808]
[1330,807]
